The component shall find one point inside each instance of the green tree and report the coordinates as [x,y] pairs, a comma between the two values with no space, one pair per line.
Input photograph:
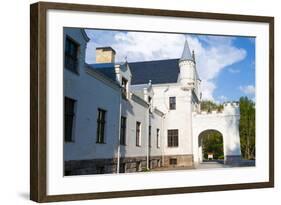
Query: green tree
[209,106]
[212,141]
[247,127]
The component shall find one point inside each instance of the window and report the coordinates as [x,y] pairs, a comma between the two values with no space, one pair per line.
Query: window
[150,104]
[149,100]
[100,126]
[71,55]
[69,105]
[124,87]
[123,131]
[138,134]
[173,138]
[149,136]
[158,138]
[172,103]
[173,161]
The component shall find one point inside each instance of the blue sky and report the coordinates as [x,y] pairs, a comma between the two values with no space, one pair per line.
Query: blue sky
[226,65]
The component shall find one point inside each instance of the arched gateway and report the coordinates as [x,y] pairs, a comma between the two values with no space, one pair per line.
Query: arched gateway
[211,152]
[226,123]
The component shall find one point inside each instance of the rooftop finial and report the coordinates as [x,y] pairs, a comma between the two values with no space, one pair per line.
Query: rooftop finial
[193,55]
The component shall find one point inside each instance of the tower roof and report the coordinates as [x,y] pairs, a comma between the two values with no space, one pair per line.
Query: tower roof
[186,54]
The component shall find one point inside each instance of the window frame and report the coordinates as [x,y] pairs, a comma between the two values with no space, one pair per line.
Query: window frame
[124,87]
[173,138]
[173,161]
[73,116]
[158,138]
[68,55]
[138,133]
[123,130]
[172,103]
[102,123]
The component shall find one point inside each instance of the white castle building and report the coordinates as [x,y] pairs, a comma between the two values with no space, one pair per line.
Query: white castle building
[128,117]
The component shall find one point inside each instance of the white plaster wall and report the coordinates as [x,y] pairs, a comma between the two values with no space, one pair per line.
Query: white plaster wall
[175,119]
[134,112]
[86,90]
[156,122]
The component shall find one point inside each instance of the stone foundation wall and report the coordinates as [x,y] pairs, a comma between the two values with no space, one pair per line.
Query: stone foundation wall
[233,159]
[94,166]
[181,160]
[109,166]
[133,164]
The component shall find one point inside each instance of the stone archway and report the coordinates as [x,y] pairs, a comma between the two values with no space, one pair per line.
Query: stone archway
[227,123]
[210,141]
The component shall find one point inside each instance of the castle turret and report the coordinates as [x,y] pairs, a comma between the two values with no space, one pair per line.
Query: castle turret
[187,67]
[231,108]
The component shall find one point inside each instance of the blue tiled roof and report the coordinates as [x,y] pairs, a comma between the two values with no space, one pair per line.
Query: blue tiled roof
[161,71]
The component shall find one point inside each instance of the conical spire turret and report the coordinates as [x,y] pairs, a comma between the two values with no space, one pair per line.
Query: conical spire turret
[186,54]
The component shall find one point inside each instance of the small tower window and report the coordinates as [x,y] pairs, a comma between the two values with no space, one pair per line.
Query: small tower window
[172,103]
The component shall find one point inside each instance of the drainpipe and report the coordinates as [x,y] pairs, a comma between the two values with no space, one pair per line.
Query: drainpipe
[191,127]
[119,127]
[147,131]
[147,154]
[162,140]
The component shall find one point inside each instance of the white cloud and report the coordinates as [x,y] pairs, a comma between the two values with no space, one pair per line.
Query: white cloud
[248,89]
[213,53]
[207,88]
[222,98]
[231,70]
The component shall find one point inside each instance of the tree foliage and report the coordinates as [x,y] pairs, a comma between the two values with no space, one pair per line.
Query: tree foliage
[247,128]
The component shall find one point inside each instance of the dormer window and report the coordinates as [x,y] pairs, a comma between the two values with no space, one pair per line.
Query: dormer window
[71,55]
[124,85]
